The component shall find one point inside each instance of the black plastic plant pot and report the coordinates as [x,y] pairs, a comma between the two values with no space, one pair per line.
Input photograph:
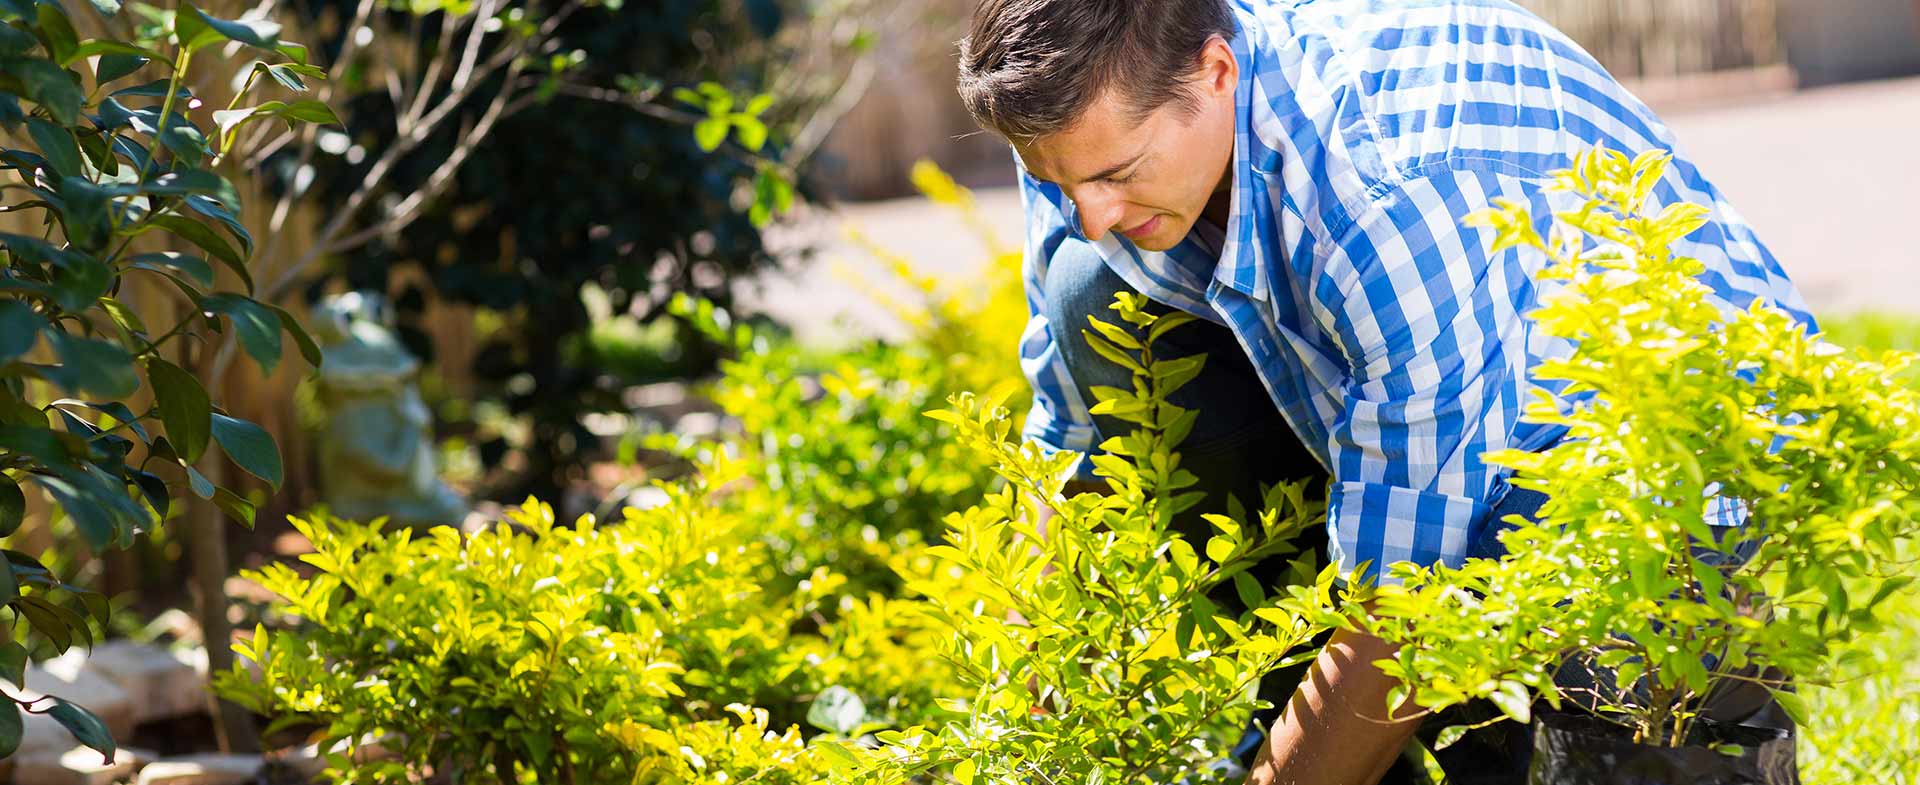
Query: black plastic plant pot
[1570,749]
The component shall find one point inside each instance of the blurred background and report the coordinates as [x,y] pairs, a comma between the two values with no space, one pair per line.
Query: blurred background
[1775,99]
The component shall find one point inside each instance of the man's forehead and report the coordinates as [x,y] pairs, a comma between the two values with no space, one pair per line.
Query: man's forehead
[1063,161]
[1106,135]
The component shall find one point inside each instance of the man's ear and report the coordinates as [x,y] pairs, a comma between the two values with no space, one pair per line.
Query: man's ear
[1219,73]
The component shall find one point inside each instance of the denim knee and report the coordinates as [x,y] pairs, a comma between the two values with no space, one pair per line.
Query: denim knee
[1079,285]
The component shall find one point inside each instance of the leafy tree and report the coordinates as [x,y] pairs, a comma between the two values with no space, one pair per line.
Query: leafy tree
[638,154]
[96,409]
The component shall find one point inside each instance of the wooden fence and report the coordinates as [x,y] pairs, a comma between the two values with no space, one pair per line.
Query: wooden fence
[912,113]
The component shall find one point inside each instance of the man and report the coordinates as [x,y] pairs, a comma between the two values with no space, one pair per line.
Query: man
[1296,174]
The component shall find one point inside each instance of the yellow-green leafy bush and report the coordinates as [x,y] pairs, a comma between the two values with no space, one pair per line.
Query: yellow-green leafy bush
[1670,400]
[591,652]
[1092,654]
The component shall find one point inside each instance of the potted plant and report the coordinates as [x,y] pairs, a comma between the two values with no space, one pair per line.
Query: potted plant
[1647,630]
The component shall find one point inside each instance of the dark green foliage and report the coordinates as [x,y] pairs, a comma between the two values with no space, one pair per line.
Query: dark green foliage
[70,351]
[575,191]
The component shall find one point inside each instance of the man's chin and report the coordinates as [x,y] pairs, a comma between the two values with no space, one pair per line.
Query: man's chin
[1156,242]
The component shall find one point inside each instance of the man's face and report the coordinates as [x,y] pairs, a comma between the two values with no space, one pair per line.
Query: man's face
[1148,178]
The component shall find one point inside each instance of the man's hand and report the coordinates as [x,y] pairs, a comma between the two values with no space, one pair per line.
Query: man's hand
[1335,730]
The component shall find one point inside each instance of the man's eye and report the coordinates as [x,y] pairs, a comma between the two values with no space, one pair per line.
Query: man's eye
[1120,180]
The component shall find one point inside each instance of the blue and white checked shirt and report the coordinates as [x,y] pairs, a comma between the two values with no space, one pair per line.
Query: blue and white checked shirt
[1386,334]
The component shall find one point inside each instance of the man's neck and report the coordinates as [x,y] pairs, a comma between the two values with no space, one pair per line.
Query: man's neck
[1220,205]
[1218,208]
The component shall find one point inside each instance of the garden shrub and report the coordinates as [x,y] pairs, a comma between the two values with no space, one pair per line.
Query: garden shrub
[852,473]
[766,592]
[1669,400]
[1092,653]
[106,165]
[594,652]
[1848,737]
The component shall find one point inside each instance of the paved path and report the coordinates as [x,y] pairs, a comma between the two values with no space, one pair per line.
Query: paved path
[1828,178]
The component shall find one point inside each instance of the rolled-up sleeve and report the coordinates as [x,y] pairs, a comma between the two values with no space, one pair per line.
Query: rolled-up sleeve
[1431,327]
[1059,419]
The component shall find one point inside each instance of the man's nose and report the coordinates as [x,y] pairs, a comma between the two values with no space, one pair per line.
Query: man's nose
[1099,212]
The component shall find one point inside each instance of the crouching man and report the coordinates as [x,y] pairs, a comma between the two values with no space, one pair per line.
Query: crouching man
[1296,174]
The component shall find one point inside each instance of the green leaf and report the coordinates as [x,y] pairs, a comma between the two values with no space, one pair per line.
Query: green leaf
[194,29]
[1448,736]
[193,267]
[258,325]
[212,209]
[1794,705]
[12,726]
[107,8]
[202,487]
[308,110]
[154,89]
[15,42]
[963,772]
[194,181]
[19,329]
[709,133]
[837,710]
[751,132]
[59,34]
[309,350]
[58,146]
[13,506]
[102,47]
[95,366]
[199,234]
[123,316]
[79,281]
[86,728]
[249,446]
[185,408]
[13,659]
[48,85]
[287,75]
[240,510]
[1512,699]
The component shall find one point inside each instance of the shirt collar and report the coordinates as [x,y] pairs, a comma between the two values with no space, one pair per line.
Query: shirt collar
[1242,262]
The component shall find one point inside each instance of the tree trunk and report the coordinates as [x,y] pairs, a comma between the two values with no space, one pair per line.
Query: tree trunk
[233,726]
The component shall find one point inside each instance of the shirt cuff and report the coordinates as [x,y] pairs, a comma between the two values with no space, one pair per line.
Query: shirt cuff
[1386,524]
[1053,436]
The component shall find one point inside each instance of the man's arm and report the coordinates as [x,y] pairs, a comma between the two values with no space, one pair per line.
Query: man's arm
[1429,324]
[1335,730]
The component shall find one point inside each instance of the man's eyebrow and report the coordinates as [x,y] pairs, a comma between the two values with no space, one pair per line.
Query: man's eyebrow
[1116,168]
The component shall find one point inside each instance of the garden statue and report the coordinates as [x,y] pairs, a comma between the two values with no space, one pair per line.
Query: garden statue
[376,457]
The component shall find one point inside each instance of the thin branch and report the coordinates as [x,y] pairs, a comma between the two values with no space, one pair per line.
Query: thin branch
[410,208]
[474,36]
[399,148]
[823,121]
[441,54]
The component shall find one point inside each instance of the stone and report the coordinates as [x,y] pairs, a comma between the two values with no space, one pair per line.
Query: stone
[67,677]
[163,684]
[209,769]
[308,761]
[176,624]
[76,766]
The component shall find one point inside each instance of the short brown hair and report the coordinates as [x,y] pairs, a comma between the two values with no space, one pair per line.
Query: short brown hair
[1028,68]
